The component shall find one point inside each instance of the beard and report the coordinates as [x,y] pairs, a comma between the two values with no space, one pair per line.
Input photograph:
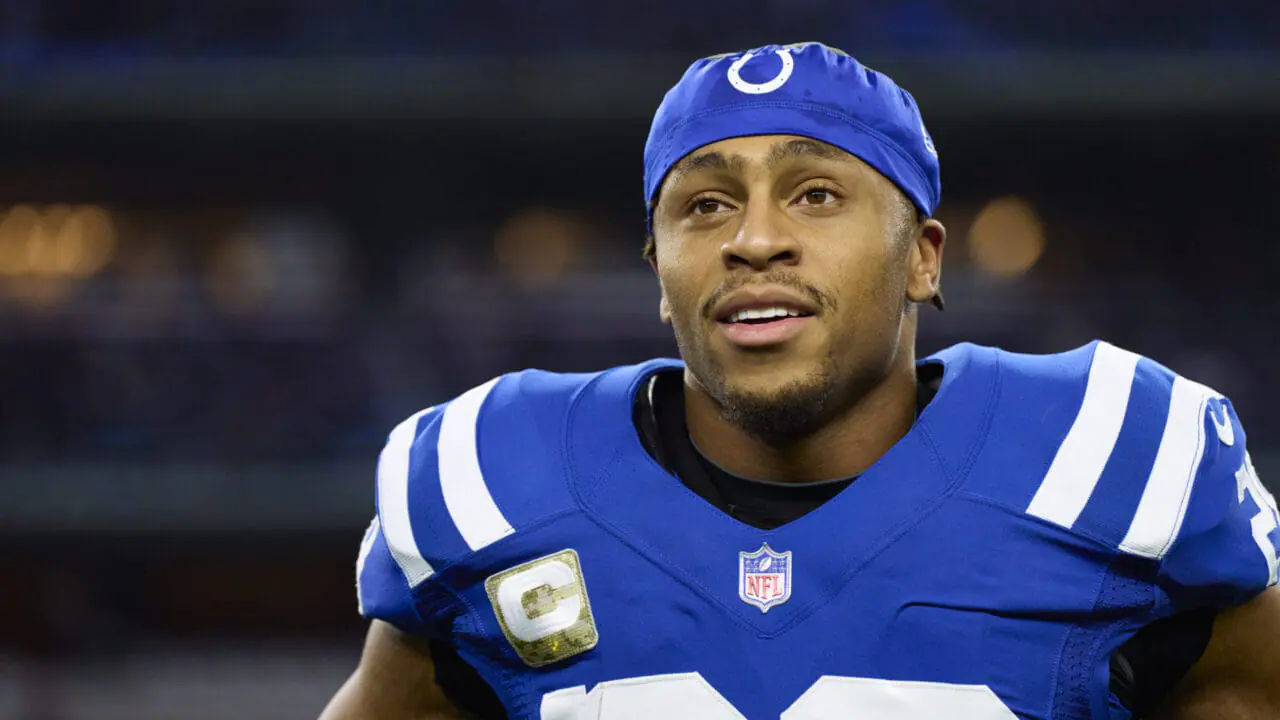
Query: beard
[784,415]
[779,415]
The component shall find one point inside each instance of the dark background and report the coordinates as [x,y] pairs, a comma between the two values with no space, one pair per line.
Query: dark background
[239,241]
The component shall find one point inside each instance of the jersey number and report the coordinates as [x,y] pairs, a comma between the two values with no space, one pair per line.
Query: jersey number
[1267,521]
[831,697]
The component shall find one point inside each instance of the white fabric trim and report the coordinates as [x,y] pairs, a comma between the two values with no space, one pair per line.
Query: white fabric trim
[466,495]
[393,501]
[1078,465]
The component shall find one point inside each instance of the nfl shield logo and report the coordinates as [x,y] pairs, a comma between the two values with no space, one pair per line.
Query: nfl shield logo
[764,577]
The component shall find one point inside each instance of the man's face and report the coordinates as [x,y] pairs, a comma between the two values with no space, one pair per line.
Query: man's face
[786,266]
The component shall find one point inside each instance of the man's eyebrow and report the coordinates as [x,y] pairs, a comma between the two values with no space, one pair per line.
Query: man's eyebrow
[778,155]
[800,148]
[709,161]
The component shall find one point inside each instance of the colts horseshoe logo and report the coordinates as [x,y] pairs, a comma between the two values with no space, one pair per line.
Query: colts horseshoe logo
[735,79]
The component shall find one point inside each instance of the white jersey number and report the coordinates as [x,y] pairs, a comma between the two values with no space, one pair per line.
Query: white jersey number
[830,698]
[1267,519]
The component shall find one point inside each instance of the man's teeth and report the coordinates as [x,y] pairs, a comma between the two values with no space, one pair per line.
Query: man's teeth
[763,314]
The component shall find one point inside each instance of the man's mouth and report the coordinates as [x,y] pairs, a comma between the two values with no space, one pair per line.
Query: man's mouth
[763,327]
[761,316]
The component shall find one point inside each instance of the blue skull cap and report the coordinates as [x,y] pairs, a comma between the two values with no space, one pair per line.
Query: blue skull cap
[807,89]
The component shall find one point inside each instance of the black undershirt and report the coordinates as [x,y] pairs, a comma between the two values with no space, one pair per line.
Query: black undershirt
[1142,671]
[660,419]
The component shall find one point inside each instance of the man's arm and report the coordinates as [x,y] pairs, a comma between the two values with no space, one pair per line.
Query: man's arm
[1238,677]
[394,681]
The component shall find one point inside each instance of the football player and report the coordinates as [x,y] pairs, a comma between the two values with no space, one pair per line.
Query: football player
[800,519]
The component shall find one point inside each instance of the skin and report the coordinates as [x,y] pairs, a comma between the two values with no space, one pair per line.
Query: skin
[808,219]
[801,216]
[395,680]
[1238,677]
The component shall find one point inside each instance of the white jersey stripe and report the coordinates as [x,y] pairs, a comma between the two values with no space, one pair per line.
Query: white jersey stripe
[1080,460]
[370,537]
[466,495]
[393,501]
[1164,499]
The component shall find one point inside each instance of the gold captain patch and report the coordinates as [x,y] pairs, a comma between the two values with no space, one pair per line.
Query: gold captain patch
[543,608]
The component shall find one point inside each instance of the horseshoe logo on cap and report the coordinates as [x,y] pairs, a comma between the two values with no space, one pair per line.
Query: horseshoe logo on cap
[735,79]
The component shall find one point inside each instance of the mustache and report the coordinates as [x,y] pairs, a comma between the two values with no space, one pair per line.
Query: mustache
[823,301]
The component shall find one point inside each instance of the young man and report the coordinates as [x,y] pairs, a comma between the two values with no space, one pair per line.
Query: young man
[801,520]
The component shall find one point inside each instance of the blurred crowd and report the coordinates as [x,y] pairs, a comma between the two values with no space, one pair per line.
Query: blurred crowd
[254,351]
[33,29]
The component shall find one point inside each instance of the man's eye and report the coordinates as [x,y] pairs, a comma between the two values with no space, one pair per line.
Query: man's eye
[817,196]
[707,206]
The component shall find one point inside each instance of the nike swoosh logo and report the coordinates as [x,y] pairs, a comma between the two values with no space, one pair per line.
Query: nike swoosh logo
[1226,431]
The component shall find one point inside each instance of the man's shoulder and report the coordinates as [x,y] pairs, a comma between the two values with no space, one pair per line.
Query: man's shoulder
[1090,409]
[532,395]
[1111,371]
[547,392]
[1117,448]
[462,475]
[1048,368]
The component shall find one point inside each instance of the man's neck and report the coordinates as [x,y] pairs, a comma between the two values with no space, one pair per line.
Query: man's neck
[846,446]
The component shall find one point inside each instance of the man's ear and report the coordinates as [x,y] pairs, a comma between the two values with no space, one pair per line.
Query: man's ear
[924,283]
[651,255]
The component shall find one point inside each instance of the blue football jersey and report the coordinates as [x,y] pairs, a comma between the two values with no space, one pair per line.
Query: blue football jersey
[1041,511]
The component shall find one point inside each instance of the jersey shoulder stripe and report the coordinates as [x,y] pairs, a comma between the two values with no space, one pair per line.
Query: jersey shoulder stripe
[1123,473]
[1111,454]
[394,464]
[433,501]
[1177,462]
[1109,510]
[459,477]
[1080,460]
[467,497]
[1037,401]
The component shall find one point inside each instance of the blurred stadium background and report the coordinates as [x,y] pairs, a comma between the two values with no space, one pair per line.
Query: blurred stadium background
[240,240]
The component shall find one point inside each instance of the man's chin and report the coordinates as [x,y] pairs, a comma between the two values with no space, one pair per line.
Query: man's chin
[778,408]
[765,388]
[767,376]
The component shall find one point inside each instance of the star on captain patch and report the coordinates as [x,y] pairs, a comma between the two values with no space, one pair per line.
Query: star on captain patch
[764,577]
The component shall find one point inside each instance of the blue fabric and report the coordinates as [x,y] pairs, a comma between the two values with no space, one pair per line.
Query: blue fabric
[1215,560]
[1107,515]
[927,569]
[807,89]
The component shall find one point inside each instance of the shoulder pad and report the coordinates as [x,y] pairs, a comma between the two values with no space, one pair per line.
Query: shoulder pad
[1146,462]
[458,477]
